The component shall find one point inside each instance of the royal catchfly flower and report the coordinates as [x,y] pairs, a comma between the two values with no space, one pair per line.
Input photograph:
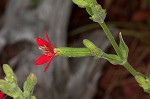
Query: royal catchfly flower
[48,51]
[2,95]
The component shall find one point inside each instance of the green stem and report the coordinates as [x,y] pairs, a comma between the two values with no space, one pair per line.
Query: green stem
[111,38]
[115,46]
[73,52]
[130,69]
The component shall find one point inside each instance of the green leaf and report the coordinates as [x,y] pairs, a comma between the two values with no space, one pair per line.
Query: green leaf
[123,47]
[9,73]
[89,10]
[10,87]
[99,14]
[33,97]
[91,2]
[113,59]
[147,89]
[29,85]
[80,3]
[143,81]
[140,79]
[95,51]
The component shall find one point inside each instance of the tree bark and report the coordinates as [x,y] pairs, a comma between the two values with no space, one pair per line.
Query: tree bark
[22,22]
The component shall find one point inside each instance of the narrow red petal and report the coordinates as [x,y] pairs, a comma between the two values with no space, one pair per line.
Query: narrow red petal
[42,42]
[49,63]
[51,45]
[43,59]
[46,34]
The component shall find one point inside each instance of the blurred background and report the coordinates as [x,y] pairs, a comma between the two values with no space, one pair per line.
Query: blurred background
[21,21]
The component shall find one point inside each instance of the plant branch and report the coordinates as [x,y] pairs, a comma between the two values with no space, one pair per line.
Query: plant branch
[111,38]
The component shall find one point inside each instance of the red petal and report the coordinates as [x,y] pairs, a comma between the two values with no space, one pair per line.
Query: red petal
[2,95]
[42,42]
[51,45]
[49,63]
[47,37]
[43,59]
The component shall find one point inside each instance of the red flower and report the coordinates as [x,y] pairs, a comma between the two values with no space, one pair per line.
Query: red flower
[48,51]
[2,95]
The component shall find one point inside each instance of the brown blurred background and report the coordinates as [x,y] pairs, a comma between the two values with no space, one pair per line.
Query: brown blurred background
[132,18]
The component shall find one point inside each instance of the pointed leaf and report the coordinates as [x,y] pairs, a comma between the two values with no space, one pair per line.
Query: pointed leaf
[29,85]
[113,59]
[9,73]
[123,47]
